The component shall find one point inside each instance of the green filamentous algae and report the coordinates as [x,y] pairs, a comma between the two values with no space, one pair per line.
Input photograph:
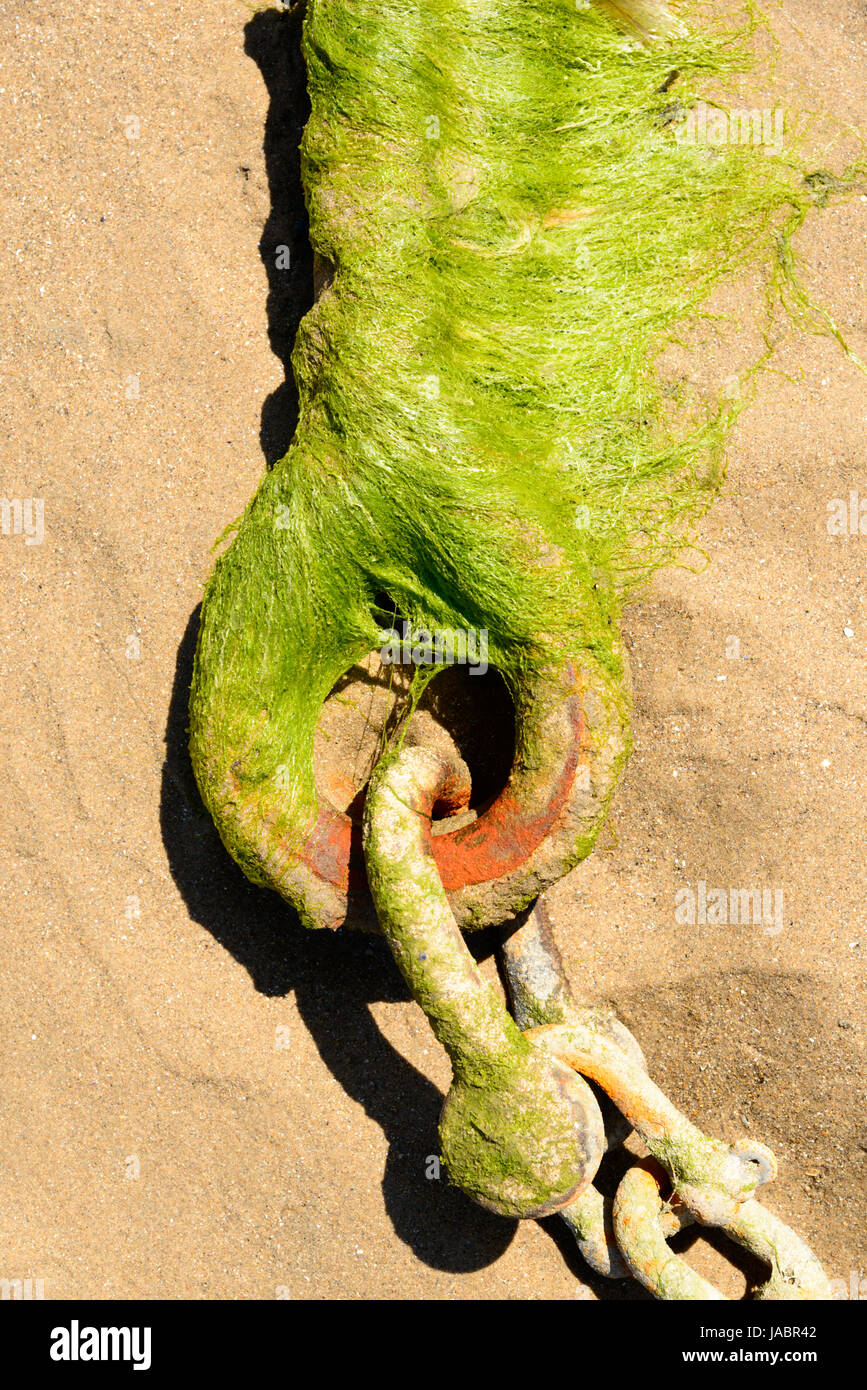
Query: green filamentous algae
[518,222]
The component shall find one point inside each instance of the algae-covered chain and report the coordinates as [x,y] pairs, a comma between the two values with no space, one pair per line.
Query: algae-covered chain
[519,1132]
[508,233]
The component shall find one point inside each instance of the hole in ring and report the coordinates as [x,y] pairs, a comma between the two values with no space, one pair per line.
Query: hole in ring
[461,713]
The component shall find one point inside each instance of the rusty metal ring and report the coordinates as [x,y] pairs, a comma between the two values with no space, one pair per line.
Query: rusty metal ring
[572,742]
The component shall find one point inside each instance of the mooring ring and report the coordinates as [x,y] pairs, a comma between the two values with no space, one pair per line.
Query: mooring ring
[572,741]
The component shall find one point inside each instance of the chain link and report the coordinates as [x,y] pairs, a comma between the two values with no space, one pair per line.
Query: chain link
[519,1135]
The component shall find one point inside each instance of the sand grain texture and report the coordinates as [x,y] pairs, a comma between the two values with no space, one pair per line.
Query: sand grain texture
[199,1099]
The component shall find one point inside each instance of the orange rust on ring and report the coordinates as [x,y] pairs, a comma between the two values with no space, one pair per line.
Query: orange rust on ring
[503,837]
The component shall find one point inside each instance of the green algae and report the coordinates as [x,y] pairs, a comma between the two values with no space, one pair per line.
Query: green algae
[516,234]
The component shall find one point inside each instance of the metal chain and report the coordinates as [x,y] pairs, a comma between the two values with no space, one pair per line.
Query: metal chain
[521,1130]
[629,1235]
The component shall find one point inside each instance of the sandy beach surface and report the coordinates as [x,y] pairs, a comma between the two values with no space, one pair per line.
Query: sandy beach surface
[199,1099]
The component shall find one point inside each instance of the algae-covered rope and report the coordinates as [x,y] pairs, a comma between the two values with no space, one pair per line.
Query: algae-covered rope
[521,1131]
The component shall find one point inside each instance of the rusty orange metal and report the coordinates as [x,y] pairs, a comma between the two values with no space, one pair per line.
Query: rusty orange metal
[498,842]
